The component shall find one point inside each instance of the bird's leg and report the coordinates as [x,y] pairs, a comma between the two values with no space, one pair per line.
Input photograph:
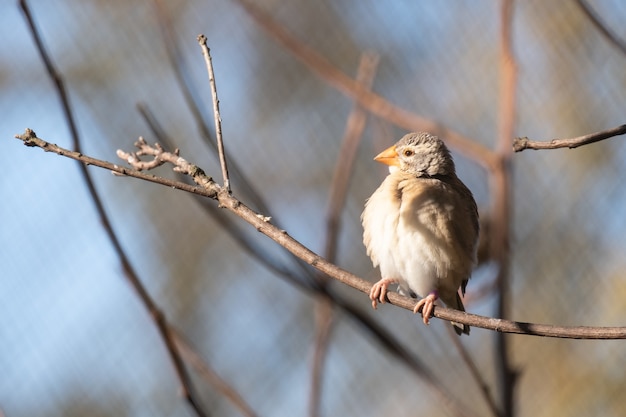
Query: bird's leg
[379,291]
[427,304]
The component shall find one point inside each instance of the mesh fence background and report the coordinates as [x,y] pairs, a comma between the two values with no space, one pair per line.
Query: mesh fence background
[75,339]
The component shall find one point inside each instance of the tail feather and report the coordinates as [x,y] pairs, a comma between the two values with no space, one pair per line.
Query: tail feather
[458,327]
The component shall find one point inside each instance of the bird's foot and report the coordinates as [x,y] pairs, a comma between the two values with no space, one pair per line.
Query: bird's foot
[427,305]
[379,291]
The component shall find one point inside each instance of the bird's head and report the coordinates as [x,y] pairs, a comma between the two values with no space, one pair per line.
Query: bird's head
[420,154]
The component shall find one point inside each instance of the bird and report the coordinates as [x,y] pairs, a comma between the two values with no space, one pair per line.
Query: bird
[421,226]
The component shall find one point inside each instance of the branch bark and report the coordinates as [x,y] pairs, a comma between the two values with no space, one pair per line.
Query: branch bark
[519,144]
[206,52]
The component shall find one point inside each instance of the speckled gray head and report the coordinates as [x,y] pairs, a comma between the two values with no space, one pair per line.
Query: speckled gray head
[420,154]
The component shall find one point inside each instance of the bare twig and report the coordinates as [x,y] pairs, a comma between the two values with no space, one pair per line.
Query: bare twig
[206,52]
[212,190]
[367,99]
[602,26]
[151,307]
[519,144]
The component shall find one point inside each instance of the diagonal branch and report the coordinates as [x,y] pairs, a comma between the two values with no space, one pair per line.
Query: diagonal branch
[209,188]
[602,26]
[367,99]
[209,375]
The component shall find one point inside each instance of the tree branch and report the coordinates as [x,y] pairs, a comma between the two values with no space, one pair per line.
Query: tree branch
[519,144]
[211,189]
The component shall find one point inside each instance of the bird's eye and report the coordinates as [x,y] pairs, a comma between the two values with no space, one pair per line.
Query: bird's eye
[408,153]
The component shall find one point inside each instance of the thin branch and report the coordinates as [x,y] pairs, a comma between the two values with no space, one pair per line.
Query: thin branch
[209,375]
[212,190]
[206,52]
[367,99]
[129,272]
[519,144]
[474,371]
[602,26]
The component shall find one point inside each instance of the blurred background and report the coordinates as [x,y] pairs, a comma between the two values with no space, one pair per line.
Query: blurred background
[75,339]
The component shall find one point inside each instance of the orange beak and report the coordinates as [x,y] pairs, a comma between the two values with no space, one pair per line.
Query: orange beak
[388,157]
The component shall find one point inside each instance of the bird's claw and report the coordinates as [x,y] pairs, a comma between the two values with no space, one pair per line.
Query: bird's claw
[378,293]
[427,304]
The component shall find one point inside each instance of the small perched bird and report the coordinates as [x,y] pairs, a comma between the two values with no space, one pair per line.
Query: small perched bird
[421,226]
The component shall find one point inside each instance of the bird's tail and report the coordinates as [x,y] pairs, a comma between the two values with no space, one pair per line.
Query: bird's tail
[458,327]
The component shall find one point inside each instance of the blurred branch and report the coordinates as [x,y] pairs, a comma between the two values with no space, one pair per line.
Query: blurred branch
[345,159]
[206,52]
[209,375]
[602,26]
[474,371]
[339,186]
[500,180]
[209,188]
[519,144]
[151,307]
[367,99]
